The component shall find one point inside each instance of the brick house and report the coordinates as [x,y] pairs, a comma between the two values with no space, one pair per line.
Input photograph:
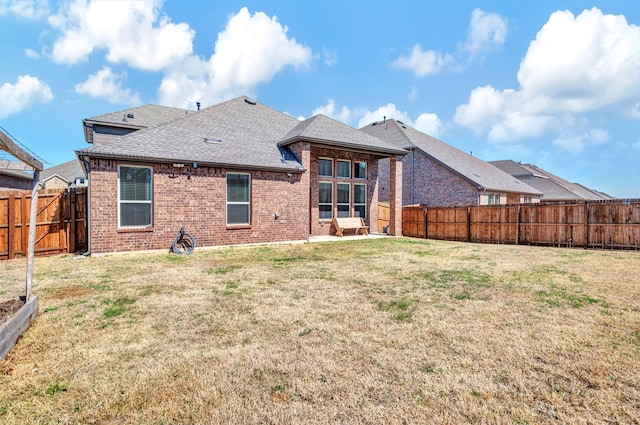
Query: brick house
[553,187]
[237,172]
[438,174]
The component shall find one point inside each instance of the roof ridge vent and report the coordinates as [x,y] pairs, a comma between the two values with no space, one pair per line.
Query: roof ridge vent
[250,101]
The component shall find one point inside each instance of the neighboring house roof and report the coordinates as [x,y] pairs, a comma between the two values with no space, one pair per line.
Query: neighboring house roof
[329,132]
[18,174]
[137,118]
[67,171]
[473,169]
[239,133]
[554,188]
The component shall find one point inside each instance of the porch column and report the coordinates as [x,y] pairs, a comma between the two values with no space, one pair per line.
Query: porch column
[395,196]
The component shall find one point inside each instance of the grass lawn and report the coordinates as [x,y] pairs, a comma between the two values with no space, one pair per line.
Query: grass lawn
[368,331]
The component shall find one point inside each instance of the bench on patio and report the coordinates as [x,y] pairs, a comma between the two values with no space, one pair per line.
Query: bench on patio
[350,223]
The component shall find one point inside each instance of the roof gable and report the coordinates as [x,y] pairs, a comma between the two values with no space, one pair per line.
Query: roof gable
[329,132]
[473,169]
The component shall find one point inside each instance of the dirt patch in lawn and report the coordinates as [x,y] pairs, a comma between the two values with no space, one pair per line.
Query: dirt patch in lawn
[9,308]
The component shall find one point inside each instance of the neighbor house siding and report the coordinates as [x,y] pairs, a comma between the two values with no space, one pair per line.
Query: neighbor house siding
[426,182]
[196,200]
[325,227]
[103,133]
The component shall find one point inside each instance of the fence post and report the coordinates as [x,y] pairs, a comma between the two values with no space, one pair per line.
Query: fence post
[11,228]
[518,225]
[33,215]
[468,224]
[71,236]
[586,224]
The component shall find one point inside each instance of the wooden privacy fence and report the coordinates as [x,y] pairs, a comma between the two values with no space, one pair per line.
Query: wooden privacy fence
[604,225]
[61,223]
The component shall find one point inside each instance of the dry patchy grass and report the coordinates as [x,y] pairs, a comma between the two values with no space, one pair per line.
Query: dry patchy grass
[369,331]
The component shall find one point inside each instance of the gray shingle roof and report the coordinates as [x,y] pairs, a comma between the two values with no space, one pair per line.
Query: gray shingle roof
[468,166]
[239,133]
[329,132]
[553,187]
[69,171]
[145,116]
[142,116]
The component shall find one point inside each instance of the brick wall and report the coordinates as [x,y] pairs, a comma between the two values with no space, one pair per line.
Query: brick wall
[196,200]
[425,181]
[325,227]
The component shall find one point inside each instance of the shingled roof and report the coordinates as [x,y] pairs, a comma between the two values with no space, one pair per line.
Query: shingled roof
[68,171]
[553,187]
[467,166]
[137,118]
[240,133]
[326,131]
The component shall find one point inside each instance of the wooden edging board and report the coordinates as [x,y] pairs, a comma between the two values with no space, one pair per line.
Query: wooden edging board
[15,327]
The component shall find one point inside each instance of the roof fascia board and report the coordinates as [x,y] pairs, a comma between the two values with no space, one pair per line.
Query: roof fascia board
[152,160]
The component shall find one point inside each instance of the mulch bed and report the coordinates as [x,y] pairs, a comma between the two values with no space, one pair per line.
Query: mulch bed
[9,308]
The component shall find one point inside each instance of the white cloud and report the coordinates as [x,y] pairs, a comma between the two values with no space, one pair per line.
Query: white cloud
[132,32]
[573,145]
[388,111]
[26,91]
[104,84]
[426,122]
[251,50]
[29,9]
[423,62]
[413,94]
[575,65]
[429,124]
[32,54]
[486,31]
[344,115]
[330,57]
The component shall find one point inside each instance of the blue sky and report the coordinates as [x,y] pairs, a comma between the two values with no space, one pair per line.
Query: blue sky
[553,83]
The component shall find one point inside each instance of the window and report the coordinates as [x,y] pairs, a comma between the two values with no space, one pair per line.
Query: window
[360,200]
[344,199]
[344,169]
[325,200]
[238,198]
[134,196]
[359,170]
[493,199]
[325,167]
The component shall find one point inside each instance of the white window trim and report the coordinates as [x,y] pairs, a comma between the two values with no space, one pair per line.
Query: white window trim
[348,203]
[325,203]
[332,167]
[348,162]
[358,204]
[150,201]
[365,170]
[248,203]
